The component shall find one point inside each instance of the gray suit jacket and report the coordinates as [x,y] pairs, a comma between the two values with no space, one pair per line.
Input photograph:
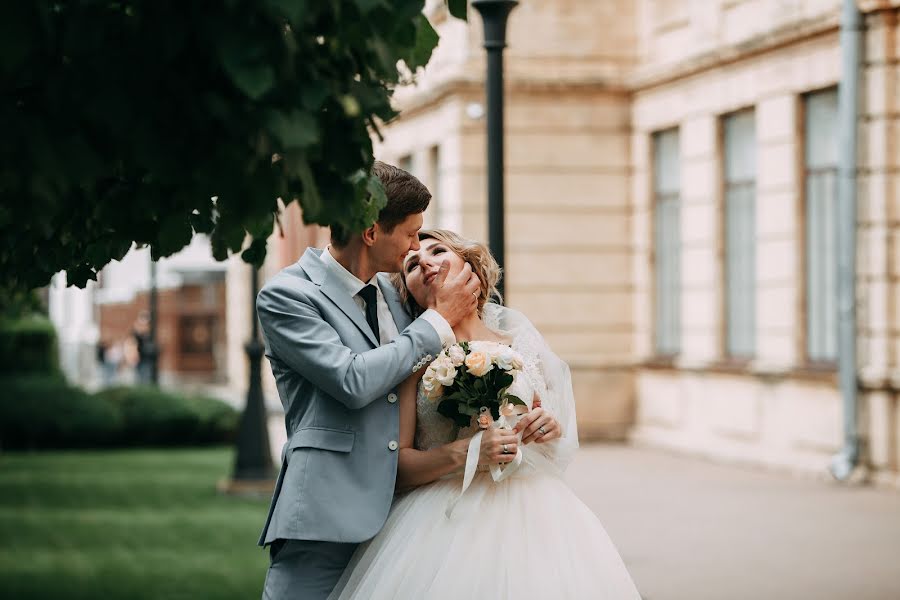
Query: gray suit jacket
[338,388]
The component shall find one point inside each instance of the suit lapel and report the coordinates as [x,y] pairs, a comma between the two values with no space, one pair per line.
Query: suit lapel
[392,297]
[320,275]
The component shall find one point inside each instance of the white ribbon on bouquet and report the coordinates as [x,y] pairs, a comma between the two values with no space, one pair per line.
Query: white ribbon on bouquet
[498,473]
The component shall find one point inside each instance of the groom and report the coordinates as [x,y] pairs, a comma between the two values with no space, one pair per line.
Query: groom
[339,342]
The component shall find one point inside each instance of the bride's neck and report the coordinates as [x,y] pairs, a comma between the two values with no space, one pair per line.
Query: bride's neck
[472,328]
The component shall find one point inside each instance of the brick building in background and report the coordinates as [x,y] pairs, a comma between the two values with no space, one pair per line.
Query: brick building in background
[191,311]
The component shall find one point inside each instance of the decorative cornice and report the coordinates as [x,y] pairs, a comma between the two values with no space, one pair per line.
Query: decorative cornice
[412,103]
[772,40]
[868,6]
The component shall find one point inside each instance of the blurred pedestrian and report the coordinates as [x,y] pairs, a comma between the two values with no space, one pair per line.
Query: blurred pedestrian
[109,356]
[140,334]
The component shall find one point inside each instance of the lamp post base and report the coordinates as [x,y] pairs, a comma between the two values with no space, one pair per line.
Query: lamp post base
[246,488]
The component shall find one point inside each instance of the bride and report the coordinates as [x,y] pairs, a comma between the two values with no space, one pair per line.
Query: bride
[524,536]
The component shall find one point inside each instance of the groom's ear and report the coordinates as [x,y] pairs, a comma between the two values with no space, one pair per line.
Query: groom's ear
[369,235]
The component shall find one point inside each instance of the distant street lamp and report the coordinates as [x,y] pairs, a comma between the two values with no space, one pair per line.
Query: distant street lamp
[253,471]
[151,348]
[495,13]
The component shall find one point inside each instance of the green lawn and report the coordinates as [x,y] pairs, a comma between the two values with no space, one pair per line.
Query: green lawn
[135,524]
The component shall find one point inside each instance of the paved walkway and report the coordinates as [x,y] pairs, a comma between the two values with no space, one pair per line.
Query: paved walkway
[689,529]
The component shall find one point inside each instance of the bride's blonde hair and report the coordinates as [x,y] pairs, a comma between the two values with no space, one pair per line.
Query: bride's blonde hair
[475,253]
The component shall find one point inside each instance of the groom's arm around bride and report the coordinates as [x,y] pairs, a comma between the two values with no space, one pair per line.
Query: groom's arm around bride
[339,342]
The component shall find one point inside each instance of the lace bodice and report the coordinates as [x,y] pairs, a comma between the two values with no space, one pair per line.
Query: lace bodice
[434,429]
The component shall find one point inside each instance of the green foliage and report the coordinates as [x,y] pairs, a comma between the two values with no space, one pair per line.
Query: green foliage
[154,417]
[43,411]
[28,345]
[18,303]
[40,411]
[458,8]
[143,121]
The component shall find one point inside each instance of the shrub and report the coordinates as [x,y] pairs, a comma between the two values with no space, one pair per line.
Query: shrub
[151,416]
[217,421]
[28,345]
[44,411]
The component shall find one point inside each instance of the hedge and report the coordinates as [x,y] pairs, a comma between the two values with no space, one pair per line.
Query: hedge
[152,416]
[44,411]
[28,345]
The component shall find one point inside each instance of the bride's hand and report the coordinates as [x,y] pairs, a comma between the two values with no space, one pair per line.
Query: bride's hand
[492,444]
[538,425]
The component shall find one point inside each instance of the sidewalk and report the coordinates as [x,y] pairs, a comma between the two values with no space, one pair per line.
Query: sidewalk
[690,529]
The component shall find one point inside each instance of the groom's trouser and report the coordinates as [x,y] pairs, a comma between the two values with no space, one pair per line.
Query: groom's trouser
[303,570]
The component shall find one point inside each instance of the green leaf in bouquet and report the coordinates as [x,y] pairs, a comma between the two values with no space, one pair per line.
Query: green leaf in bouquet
[447,408]
[504,379]
[465,409]
[515,400]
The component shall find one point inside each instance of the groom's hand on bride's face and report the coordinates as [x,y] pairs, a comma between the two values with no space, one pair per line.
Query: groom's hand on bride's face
[456,296]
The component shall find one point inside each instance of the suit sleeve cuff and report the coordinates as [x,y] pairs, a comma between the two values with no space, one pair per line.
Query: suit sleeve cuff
[440,324]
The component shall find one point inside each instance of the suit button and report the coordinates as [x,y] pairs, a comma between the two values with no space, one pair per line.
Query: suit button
[392,397]
[393,445]
[429,358]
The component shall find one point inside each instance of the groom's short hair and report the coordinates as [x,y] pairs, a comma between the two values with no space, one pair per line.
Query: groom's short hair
[406,196]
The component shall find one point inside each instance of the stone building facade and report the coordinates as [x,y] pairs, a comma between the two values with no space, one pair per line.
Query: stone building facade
[671,211]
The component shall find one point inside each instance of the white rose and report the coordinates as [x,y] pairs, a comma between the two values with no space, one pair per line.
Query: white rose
[444,371]
[456,354]
[505,358]
[488,348]
[433,389]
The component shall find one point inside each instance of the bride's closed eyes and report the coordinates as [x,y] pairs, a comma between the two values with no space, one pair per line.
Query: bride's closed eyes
[414,261]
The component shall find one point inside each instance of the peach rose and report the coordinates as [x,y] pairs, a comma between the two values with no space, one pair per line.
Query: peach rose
[478,363]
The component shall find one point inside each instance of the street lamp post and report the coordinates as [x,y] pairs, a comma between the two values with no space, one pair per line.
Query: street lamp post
[494,14]
[152,347]
[253,464]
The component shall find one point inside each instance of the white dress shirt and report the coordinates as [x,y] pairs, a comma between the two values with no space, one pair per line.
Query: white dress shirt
[386,325]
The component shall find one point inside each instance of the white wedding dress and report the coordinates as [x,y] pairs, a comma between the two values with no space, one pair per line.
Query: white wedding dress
[527,536]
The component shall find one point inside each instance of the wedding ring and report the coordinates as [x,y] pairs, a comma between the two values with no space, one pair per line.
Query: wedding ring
[542,430]
[505,449]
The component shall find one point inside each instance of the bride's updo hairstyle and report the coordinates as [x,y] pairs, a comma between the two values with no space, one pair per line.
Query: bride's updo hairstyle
[475,253]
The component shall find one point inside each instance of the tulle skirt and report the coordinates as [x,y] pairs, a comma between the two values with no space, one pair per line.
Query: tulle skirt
[525,537]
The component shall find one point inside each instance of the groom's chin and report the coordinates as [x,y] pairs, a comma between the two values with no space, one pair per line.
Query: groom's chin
[397,267]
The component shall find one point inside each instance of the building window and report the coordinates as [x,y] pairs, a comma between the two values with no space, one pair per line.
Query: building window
[433,214]
[739,131]
[406,163]
[820,187]
[667,242]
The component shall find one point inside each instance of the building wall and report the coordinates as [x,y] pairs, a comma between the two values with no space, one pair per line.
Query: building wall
[879,239]
[778,408]
[568,218]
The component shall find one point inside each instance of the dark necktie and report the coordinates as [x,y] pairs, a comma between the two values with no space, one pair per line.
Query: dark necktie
[370,295]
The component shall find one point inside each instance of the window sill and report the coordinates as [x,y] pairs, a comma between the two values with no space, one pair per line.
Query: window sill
[819,373]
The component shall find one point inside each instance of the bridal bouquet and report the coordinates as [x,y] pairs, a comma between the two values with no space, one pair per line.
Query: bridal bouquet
[469,376]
